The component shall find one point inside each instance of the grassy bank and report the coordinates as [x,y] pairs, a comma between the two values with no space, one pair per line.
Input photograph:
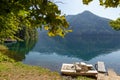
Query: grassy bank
[11,70]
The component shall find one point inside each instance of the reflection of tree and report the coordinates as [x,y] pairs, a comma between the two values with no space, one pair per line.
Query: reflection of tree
[84,47]
[18,50]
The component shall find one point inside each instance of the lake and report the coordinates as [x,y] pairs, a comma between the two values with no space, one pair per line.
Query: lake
[52,52]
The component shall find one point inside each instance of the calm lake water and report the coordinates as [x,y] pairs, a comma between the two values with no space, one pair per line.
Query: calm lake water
[52,52]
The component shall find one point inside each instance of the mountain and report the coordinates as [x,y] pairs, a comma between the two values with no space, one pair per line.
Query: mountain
[87,23]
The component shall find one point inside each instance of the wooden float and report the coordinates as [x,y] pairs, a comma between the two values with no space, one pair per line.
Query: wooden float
[78,69]
[100,66]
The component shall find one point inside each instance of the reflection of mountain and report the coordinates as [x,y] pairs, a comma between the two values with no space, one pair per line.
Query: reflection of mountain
[85,47]
[92,36]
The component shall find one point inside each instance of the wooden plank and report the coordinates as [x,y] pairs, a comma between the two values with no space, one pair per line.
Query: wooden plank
[101,66]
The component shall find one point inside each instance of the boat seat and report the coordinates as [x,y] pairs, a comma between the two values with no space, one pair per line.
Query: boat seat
[81,67]
[101,67]
[77,67]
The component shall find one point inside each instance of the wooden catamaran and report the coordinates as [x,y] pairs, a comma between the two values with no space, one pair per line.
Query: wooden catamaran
[78,69]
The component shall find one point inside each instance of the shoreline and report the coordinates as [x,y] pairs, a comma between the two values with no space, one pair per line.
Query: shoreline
[24,72]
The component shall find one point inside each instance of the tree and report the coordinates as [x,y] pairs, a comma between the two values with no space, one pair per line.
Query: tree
[16,14]
[106,3]
[115,24]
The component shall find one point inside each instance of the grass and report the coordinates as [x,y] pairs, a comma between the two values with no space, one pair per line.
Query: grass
[19,71]
[84,78]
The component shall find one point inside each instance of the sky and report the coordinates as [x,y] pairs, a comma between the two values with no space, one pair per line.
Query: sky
[73,7]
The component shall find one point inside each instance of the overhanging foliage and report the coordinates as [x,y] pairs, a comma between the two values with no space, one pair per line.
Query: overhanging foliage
[15,14]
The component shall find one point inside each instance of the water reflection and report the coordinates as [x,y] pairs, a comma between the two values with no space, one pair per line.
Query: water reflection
[17,51]
[84,47]
[51,61]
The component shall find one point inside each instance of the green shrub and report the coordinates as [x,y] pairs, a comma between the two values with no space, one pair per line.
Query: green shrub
[4,58]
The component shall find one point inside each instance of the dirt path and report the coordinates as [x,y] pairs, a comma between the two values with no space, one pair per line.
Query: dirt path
[111,75]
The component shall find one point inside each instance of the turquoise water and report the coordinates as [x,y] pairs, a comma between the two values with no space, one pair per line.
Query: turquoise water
[52,52]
